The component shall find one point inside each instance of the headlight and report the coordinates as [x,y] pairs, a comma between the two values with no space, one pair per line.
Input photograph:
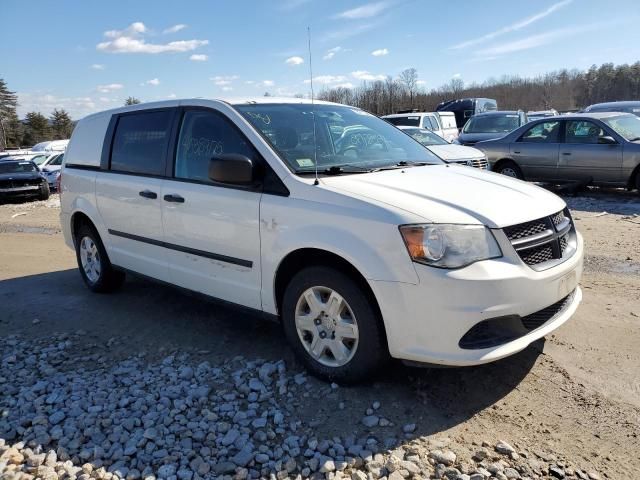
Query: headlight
[449,246]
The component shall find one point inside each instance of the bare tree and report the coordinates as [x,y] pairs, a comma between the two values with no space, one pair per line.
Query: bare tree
[409,79]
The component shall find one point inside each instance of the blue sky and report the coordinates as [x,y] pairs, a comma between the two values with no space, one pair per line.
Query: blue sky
[87,56]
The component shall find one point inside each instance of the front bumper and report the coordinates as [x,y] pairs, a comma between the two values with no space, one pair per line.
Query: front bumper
[425,322]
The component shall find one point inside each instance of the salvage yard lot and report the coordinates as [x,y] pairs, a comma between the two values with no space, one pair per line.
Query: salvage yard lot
[173,382]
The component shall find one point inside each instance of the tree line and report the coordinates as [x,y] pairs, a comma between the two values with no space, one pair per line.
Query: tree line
[563,90]
[34,128]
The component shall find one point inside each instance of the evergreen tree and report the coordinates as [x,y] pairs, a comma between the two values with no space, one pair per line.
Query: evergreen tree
[10,134]
[61,124]
[36,129]
[131,101]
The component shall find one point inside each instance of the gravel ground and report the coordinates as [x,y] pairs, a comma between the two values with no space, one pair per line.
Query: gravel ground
[151,383]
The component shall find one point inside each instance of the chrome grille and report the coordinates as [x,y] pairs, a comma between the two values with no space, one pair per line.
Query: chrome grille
[544,242]
[480,163]
[525,229]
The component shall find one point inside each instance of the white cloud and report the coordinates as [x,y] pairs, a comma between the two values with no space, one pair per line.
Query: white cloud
[348,32]
[97,66]
[249,82]
[199,57]
[171,95]
[456,75]
[343,85]
[366,76]
[175,28]
[381,52]
[513,27]
[365,11]
[109,87]
[224,80]
[227,89]
[294,61]
[534,41]
[332,53]
[45,103]
[327,79]
[268,83]
[153,82]
[130,40]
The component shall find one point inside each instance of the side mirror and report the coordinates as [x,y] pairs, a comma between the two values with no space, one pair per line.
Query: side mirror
[231,168]
[607,140]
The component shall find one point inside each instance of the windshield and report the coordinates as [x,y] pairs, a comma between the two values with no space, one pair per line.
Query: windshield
[412,121]
[17,167]
[39,159]
[492,123]
[627,126]
[343,136]
[425,137]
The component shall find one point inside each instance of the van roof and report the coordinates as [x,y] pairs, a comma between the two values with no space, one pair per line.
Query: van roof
[230,101]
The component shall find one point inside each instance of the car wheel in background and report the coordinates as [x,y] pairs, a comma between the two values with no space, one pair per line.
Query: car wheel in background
[94,265]
[44,192]
[332,325]
[510,169]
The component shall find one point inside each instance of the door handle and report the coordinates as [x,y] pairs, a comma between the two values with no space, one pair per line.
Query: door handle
[148,194]
[566,153]
[174,198]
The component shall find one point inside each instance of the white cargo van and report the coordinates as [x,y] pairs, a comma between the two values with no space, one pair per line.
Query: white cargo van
[358,239]
[440,123]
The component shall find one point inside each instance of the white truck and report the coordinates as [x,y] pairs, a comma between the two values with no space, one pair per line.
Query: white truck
[440,123]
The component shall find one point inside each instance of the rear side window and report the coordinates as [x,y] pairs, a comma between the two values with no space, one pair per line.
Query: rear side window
[140,142]
[204,135]
[413,121]
[545,132]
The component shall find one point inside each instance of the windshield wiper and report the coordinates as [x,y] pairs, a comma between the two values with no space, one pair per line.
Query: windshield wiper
[338,169]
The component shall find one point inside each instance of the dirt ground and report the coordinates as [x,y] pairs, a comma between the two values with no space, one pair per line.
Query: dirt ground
[575,396]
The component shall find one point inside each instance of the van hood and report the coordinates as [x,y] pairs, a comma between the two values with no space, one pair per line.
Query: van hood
[452,194]
[455,153]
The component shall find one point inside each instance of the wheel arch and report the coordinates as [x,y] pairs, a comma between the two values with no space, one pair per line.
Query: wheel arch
[633,178]
[502,161]
[301,258]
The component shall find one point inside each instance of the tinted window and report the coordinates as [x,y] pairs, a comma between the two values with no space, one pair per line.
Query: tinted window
[203,136]
[492,123]
[582,132]
[413,121]
[140,142]
[545,132]
[17,167]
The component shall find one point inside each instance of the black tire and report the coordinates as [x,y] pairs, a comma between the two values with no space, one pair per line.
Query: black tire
[371,350]
[108,279]
[638,182]
[45,191]
[510,169]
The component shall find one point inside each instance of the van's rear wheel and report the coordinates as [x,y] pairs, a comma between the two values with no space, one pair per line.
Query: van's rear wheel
[331,325]
[510,169]
[94,265]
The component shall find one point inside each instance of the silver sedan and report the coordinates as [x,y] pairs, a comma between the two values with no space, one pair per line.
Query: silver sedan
[594,148]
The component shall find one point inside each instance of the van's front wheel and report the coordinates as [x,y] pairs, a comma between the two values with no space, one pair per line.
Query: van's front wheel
[332,326]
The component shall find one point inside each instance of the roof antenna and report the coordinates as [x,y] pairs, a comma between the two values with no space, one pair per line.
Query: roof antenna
[313,108]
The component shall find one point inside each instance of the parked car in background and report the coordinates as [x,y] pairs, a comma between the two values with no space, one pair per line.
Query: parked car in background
[540,114]
[362,243]
[443,123]
[489,125]
[626,107]
[446,151]
[465,108]
[51,169]
[21,178]
[51,146]
[594,148]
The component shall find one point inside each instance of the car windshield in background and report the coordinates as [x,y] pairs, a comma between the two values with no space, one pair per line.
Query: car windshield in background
[17,167]
[344,136]
[425,137]
[412,121]
[492,124]
[627,126]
